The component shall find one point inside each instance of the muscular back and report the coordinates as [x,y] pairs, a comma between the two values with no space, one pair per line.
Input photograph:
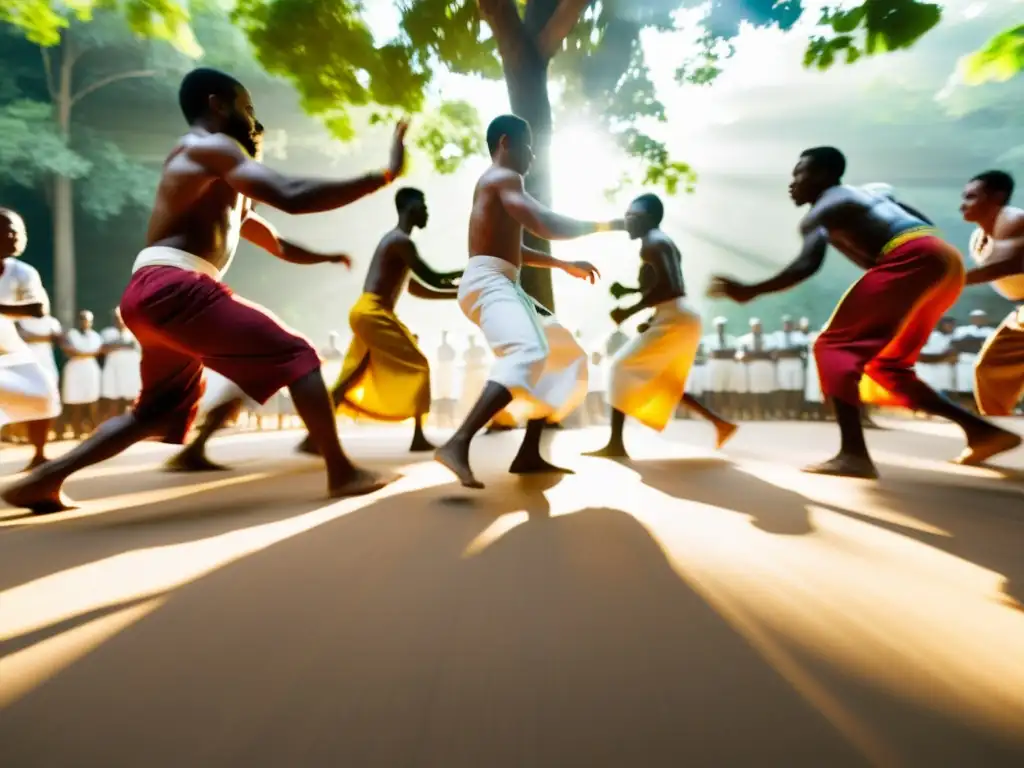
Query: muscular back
[859,223]
[196,211]
[389,267]
[492,231]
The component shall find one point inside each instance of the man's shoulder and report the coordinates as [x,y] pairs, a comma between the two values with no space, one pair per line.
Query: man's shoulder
[1010,222]
[498,176]
[22,269]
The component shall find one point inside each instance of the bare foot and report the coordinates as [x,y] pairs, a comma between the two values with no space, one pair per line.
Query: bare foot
[456,459]
[980,450]
[535,465]
[724,432]
[420,444]
[37,461]
[359,483]
[844,465]
[609,452]
[192,461]
[40,495]
[307,447]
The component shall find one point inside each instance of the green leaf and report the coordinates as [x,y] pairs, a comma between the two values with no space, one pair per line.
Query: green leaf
[31,147]
[1000,59]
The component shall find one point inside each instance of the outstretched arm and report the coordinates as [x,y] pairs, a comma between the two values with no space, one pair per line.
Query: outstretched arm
[811,257]
[426,280]
[225,158]
[541,220]
[261,232]
[1007,257]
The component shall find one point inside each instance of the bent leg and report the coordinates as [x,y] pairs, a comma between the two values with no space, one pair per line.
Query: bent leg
[172,385]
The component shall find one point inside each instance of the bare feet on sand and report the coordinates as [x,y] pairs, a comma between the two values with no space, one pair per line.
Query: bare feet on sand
[983,447]
[456,458]
[845,465]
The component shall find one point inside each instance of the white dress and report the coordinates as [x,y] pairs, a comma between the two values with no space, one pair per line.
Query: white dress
[43,350]
[760,373]
[122,376]
[82,375]
[27,392]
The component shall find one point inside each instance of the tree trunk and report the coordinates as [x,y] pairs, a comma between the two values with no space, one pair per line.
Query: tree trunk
[527,84]
[63,203]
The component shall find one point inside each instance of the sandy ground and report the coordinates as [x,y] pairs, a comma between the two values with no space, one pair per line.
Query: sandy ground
[690,609]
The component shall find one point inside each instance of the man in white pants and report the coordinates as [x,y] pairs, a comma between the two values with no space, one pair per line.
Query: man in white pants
[28,392]
[790,351]
[82,376]
[541,364]
[121,381]
[968,341]
[724,374]
[756,353]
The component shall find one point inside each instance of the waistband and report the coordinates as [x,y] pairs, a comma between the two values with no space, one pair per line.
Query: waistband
[907,236]
[163,256]
[491,264]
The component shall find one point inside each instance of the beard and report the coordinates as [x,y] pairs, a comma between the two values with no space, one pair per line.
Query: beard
[242,131]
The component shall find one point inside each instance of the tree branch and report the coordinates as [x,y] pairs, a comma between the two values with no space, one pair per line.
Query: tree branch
[503,19]
[48,68]
[104,81]
[560,25]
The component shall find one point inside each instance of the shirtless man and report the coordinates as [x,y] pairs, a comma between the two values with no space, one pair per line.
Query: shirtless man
[544,365]
[997,246]
[184,318]
[385,376]
[912,277]
[648,375]
[223,400]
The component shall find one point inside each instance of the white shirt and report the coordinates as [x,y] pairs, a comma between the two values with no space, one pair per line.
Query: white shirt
[750,344]
[972,332]
[938,343]
[20,285]
[789,340]
[114,335]
[713,344]
[982,248]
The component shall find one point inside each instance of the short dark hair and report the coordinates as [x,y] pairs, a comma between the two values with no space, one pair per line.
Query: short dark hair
[199,85]
[828,160]
[512,126]
[406,196]
[652,206]
[999,182]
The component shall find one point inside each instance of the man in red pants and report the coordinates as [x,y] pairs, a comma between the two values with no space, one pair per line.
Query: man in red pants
[868,349]
[185,318]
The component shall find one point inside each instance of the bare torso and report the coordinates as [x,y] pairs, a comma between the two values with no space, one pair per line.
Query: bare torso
[859,224]
[388,272]
[661,274]
[195,211]
[492,232]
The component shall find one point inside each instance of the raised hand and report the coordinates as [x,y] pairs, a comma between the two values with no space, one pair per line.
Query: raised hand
[727,288]
[397,164]
[340,258]
[584,270]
